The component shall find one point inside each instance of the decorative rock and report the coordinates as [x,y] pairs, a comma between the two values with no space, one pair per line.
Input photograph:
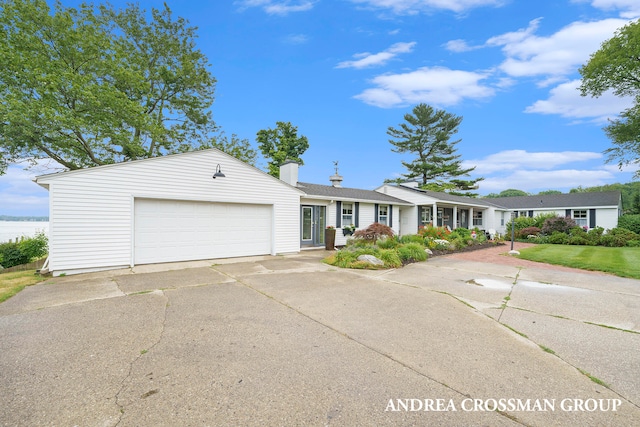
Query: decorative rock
[428,251]
[514,252]
[370,259]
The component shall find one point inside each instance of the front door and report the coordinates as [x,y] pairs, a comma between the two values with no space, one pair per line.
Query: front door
[313,221]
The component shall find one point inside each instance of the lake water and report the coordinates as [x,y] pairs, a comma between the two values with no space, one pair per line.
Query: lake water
[10,230]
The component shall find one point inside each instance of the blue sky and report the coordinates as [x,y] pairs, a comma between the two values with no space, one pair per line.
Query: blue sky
[343,71]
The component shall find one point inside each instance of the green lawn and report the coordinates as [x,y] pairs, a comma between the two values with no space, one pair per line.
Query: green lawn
[12,283]
[624,262]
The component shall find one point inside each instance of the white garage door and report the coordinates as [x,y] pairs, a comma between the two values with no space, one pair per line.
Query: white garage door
[170,230]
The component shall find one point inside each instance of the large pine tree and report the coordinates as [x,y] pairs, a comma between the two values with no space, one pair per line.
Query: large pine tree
[427,133]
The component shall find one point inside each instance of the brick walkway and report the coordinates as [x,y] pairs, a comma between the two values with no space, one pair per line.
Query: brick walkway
[499,255]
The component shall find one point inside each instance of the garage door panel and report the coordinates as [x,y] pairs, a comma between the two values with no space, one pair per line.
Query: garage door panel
[167,230]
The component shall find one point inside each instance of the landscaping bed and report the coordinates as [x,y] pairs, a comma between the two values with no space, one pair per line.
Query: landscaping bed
[478,246]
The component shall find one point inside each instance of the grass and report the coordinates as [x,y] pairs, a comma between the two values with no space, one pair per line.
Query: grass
[623,262]
[12,283]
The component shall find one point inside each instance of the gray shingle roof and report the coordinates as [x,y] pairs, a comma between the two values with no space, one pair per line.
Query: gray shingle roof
[570,200]
[445,197]
[342,193]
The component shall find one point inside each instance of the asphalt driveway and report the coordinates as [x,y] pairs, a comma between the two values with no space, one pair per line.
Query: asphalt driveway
[291,341]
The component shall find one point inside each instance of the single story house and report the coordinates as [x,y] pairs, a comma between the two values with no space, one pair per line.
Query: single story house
[591,209]
[444,210]
[344,208]
[206,205]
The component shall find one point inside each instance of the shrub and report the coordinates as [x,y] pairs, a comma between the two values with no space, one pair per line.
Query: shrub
[374,232]
[390,257]
[344,258]
[388,243]
[594,235]
[464,233]
[540,219]
[412,252]
[630,222]
[520,222]
[558,224]
[618,237]
[434,232]
[578,240]
[23,252]
[528,231]
[481,237]
[35,247]
[440,244]
[558,238]
[10,255]
[412,238]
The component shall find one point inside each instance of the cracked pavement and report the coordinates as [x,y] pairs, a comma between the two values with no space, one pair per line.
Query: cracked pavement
[291,341]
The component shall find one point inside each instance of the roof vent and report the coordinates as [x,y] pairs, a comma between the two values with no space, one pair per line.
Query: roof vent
[336,180]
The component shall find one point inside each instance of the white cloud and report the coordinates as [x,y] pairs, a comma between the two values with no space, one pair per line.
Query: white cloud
[628,8]
[410,7]
[538,171]
[273,7]
[20,195]
[436,85]
[372,59]
[538,180]
[565,100]
[511,160]
[557,55]
[296,39]
[459,45]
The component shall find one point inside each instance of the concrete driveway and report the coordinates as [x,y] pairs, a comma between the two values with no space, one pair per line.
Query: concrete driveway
[291,341]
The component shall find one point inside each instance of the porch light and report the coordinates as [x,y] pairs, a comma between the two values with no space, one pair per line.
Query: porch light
[218,173]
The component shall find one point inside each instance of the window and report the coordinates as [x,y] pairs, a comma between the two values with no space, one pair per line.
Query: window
[383,214]
[426,216]
[580,217]
[347,214]
[523,213]
[502,218]
[477,218]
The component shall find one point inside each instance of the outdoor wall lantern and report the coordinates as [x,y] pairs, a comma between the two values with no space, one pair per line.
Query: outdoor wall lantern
[218,173]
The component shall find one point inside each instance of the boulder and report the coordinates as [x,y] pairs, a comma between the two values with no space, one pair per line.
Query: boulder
[370,259]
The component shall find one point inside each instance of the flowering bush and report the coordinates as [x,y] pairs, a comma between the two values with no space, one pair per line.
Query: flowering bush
[558,224]
[434,232]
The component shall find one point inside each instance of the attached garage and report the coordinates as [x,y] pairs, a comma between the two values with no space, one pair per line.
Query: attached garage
[178,230]
[167,209]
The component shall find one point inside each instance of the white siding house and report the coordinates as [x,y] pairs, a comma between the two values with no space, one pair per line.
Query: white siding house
[167,209]
[590,210]
[442,209]
[340,207]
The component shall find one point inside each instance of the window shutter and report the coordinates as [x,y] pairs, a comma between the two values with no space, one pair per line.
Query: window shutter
[592,218]
[567,213]
[338,214]
[376,208]
[517,213]
[391,216]
[356,214]
[419,216]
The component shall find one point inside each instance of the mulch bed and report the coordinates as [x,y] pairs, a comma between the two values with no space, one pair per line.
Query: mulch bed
[485,245]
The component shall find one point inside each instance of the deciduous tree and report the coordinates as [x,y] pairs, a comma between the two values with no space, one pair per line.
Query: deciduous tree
[94,85]
[281,144]
[427,133]
[616,66]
